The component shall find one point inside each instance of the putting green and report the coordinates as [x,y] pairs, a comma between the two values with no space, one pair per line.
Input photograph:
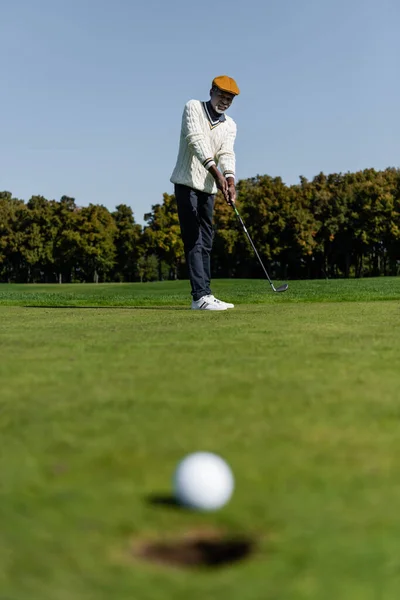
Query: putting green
[298,392]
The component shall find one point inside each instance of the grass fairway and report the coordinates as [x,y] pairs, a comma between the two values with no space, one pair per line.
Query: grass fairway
[104,388]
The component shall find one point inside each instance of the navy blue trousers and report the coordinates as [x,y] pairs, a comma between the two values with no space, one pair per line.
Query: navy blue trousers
[195,211]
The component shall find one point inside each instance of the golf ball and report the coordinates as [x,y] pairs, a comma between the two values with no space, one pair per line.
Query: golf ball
[203,481]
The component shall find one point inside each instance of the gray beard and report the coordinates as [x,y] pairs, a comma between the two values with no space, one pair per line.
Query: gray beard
[217,110]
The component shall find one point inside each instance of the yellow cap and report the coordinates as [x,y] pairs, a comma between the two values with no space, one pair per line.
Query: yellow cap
[226,84]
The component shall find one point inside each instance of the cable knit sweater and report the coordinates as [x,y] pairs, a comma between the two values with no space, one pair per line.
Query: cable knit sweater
[204,142]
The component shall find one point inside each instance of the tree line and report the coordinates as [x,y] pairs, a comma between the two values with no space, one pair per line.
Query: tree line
[337,225]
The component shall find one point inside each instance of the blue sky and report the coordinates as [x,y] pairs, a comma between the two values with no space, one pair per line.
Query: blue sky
[93,90]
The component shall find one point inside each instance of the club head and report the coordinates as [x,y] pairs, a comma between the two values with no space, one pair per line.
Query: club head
[281,288]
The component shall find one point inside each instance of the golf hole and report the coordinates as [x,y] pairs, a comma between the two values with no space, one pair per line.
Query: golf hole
[201,549]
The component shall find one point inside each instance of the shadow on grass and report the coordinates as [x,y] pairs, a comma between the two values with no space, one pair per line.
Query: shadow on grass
[69,306]
[201,548]
[210,549]
[164,501]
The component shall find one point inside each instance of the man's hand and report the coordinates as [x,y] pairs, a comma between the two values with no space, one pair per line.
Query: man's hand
[221,182]
[231,190]
[222,185]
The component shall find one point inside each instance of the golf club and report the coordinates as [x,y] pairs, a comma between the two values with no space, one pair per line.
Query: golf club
[281,288]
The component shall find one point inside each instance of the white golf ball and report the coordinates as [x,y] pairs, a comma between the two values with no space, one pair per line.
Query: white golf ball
[203,481]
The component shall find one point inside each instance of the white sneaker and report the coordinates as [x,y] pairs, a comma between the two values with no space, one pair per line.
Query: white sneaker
[227,304]
[208,303]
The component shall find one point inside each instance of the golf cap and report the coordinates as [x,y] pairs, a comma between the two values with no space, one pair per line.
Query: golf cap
[226,84]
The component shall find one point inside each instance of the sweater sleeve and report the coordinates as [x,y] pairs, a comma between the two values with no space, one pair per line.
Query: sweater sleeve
[226,154]
[194,135]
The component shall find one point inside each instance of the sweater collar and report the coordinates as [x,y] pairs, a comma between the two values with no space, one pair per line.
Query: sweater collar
[213,116]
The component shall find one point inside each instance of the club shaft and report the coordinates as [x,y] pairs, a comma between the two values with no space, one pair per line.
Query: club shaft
[252,245]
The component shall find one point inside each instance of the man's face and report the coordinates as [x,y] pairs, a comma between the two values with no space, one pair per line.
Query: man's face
[220,100]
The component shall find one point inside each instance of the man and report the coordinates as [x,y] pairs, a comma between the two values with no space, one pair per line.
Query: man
[205,163]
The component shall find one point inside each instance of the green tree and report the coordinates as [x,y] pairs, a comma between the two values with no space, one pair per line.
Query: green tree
[264,203]
[38,238]
[148,268]
[12,213]
[65,253]
[162,235]
[94,237]
[127,244]
[226,234]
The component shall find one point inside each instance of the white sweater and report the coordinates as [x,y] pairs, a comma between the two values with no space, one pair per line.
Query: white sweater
[204,143]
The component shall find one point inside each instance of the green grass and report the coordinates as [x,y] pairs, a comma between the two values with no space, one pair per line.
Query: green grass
[169,293]
[100,399]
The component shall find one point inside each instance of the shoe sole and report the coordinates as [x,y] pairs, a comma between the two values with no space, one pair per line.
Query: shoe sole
[210,309]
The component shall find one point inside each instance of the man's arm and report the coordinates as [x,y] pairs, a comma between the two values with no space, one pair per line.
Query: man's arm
[199,143]
[227,161]
[194,135]
[221,182]
[231,189]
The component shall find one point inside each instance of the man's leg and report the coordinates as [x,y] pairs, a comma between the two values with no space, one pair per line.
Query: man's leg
[206,210]
[187,201]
